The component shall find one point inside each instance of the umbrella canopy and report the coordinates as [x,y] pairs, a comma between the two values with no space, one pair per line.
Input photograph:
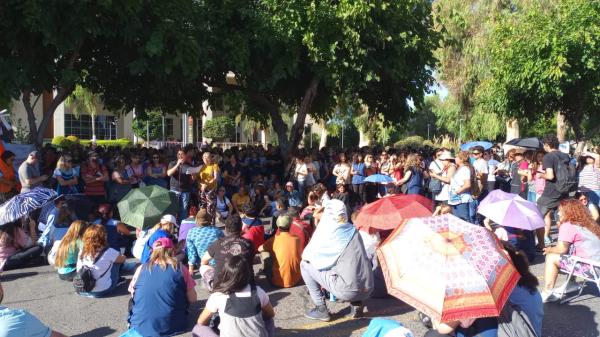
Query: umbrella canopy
[389,212]
[510,210]
[484,144]
[447,268]
[529,143]
[79,203]
[24,203]
[378,178]
[143,207]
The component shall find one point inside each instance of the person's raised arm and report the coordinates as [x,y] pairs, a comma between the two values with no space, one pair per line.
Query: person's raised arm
[173,170]
[406,177]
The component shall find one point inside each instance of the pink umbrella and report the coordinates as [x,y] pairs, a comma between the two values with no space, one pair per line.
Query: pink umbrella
[510,210]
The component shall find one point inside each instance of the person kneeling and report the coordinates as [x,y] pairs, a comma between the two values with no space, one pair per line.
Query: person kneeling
[281,255]
[335,259]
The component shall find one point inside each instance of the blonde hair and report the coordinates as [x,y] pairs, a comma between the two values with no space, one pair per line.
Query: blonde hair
[162,257]
[69,242]
[60,164]
[412,161]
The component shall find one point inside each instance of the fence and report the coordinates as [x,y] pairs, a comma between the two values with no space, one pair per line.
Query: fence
[224,145]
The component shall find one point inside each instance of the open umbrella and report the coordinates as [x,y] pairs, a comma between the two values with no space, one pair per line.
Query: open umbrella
[484,144]
[79,203]
[143,207]
[389,212]
[528,143]
[24,203]
[447,268]
[378,178]
[510,210]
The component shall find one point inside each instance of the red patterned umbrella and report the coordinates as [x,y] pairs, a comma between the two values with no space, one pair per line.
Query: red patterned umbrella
[389,212]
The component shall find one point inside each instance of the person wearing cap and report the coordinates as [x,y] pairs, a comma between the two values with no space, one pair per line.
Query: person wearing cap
[335,260]
[281,255]
[292,195]
[95,176]
[164,229]
[444,175]
[162,290]
[199,238]
[29,173]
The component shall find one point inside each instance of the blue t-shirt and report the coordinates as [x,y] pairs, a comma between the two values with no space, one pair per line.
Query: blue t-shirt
[19,323]
[531,304]
[359,176]
[148,246]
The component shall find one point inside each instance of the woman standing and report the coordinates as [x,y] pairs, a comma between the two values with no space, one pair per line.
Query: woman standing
[342,170]
[66,176]
[371,167]
[301,172]
[460,187]
[448,171]
[135,171]
[413,175]
[68,250]
[162,291]
[156,172]
[358,176]
[120,182]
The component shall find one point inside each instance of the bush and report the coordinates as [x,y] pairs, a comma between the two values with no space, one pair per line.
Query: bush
[121,142]
[219,128]
[61,141]
[413,142]
[73,139]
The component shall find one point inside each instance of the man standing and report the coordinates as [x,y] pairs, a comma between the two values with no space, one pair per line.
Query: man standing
[29,173]
[181,181]
[551,197]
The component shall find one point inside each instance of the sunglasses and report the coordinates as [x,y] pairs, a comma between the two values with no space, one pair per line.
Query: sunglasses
[155,157]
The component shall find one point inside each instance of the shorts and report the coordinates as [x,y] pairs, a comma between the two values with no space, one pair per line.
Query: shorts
[583,270]
[546,204]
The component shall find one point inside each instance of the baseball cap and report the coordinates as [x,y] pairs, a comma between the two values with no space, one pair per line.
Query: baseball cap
[168,218]
[284,222]
[163,243]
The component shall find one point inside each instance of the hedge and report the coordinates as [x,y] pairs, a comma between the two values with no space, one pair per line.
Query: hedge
[66,142]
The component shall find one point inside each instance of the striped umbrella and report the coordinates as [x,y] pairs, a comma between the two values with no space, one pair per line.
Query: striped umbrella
[24,203]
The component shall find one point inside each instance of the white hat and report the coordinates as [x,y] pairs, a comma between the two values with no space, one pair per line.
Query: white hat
[446,155]
[168,218]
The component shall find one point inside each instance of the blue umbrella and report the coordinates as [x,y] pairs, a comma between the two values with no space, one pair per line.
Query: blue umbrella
[378,178]
[24,203]
[484,144]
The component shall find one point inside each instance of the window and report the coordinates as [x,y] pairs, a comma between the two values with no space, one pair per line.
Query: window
[169,128]
[81,126]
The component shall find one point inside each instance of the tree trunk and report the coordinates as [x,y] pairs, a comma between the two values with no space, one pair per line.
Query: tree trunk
[364,138]
[323,139]
[298,128]
[60,97]
[561,127]
[33,131]
[512,129]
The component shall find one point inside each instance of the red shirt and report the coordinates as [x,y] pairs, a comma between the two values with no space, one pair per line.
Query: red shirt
[95,187]
[303,230]
[256,235]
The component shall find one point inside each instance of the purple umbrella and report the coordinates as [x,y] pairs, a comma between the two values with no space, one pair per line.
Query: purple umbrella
[510,210]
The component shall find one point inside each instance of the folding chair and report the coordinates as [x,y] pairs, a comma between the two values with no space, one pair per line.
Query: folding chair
[578,262]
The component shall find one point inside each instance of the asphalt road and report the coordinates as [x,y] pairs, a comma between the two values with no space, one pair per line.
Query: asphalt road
[53,301]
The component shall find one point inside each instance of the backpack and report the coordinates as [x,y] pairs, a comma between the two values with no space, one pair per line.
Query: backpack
[566,177]
[84,280]
[513,322]
[435,185]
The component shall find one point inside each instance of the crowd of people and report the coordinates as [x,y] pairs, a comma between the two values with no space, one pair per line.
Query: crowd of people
[225,199]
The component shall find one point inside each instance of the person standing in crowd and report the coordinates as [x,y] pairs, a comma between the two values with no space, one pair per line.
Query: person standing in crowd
[162,291]
[335,260]
[461,184]
[104,261]
[342,171]
[29,173]
[232,176]
[156,171]
[244,308]
[480,165]
[135,171]
[448,171]
[281,255]
[578,235]
[66,176]
[181,181]
[371,168]
[536,187]
[589,178]
[16,248]
[413,175]
[301,175]
[492,164]
[209,172]
[232,244]
[503,177]
[436,167]
[68,250]
[9,185]
[358,176]
[94,175]
[120,184]
[200,238]
[551,197]
[519,171]
[20,323]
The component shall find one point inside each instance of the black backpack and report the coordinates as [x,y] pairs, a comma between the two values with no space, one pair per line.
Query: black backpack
[513,322]
[566,176]
[84,280]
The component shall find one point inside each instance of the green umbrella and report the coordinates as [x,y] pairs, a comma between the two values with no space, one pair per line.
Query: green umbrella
[143,207]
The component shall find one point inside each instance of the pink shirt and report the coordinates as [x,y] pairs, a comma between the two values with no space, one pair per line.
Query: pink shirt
[6,251]
[584,246]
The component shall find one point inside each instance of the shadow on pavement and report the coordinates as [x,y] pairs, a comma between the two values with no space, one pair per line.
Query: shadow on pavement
[14,276]
[98,332]
[570,319]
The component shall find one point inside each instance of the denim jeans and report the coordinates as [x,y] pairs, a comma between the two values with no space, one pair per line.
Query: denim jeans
[462,211]
[184,203]
[473,211]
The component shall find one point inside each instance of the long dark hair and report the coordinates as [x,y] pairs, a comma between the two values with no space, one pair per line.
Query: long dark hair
[235,276]
[521,263]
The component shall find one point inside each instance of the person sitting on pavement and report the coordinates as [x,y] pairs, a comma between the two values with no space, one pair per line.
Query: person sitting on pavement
[20,323]
[118,235]
[200,238]
[300,228]
[252,228]
[240,199]
[521,239]
[57,223]
[164,229]
[292,195]
[186,225]
[244,309]
[162,291]
[578,235]
[16,248]
[224,208]
[232,244]
[105,262]
[68,250]
[342,195]
[281,255]
[95,177]
[335,260]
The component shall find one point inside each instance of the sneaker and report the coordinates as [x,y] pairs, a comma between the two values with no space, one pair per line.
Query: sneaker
[319,313]
[425,320]
[570,287]
[547,241]
[356,311]
[549,296]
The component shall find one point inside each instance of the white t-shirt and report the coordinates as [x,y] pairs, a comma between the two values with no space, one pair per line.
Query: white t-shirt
[436,166]
[216,301]
[492,165]
[480,166]
[102,266]
[344,171]
[457,181]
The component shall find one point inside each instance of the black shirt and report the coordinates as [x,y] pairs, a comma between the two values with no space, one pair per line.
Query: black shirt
[180,181]
[229,246]
[551,160]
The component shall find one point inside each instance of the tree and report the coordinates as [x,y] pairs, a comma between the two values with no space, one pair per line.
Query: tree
[545,60]
[82,100]
[308,55]
[219,128]
[149,124]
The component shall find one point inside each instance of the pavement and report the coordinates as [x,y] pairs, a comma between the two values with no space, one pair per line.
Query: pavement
[39,290]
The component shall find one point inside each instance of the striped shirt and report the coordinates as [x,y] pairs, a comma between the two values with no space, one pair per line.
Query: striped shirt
[589,179]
